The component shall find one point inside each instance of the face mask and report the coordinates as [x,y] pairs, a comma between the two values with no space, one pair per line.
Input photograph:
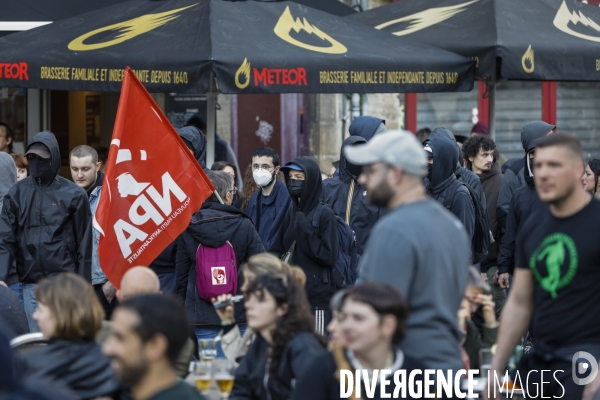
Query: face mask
[429,171]
[41,169]
[355,170]
[263,177]
[295,187]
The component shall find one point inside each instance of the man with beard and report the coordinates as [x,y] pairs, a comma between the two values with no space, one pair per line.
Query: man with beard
[147,335]
[557,273]
[419,247]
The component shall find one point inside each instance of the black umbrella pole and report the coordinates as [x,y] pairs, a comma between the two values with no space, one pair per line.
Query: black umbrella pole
[492,110]
[211,102]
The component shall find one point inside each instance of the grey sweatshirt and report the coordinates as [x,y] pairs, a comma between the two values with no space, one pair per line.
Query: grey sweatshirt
[423,250]
[8,175]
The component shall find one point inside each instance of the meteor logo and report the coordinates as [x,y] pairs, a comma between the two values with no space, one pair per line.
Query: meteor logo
[287,23]
[528,59]
[126,29]
[564,16]
[425,19]
[244,71]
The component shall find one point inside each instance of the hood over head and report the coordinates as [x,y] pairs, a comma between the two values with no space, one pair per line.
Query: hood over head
[347,170]
[194,138]
[534,130]
[312,186]
[8,175]
[215,223]
[48,139]
[448,133]
[445,156]
[367,127]
[528,172]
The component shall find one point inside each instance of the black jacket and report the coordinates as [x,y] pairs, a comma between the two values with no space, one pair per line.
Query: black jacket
[363,216]
[212,226]
[316,250]
[12,315]
[522,204]
[491,183]
[47,229]
[445,160]
[321,383]
[252,380]
[79,365]
[514,176]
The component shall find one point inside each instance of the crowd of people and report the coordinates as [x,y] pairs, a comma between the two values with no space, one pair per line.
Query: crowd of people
[400,258]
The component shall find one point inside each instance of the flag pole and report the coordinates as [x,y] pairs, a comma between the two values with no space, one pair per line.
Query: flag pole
[211,100]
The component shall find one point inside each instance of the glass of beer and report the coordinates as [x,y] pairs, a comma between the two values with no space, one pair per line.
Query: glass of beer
[207,349]
[201,372]
[223,373]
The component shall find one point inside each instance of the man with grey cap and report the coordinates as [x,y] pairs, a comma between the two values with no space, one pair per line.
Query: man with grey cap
[45,224]
[419,247]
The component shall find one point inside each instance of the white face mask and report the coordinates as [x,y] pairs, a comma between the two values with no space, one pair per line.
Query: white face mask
[262,177]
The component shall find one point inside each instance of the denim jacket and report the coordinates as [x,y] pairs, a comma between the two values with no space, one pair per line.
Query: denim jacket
[98,276]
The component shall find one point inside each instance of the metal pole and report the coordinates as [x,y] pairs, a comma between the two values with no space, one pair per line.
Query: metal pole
[492,110]
[211,103]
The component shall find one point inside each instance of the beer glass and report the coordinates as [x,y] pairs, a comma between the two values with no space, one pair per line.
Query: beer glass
[201,372]
[223,373]
[207,349]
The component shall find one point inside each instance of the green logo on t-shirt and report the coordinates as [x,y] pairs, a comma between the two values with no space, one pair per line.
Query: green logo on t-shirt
[553,252]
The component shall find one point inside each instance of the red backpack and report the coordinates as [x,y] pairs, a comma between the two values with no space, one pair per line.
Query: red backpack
[216,271]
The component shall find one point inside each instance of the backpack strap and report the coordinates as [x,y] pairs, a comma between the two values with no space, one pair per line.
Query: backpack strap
[349,201]
[449,200]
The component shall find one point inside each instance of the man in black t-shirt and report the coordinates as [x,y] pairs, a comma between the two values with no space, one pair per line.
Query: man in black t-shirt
[556,285]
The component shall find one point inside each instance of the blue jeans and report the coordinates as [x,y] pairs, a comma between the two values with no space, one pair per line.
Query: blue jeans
[211,331]
[30,304]
[167,282]
[17,287]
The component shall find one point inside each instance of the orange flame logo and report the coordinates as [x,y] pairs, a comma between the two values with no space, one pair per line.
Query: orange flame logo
[287,23]
[528,57]
[243,70]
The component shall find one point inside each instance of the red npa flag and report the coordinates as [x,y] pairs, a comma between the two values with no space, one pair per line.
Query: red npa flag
[153,185]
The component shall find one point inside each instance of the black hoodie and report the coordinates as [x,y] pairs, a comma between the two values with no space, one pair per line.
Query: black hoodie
[316,249]
[363,216]
[47,229]
[195,139]
[514,176]
[212,226]
[445,160]
[366,127]
[522,204]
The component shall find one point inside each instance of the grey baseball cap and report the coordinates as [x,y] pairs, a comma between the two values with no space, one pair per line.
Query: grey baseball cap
[395,148]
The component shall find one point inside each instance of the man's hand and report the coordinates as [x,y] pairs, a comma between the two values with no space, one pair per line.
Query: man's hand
[109,291]
[3,284]
[226,314]
[489,312]
[496,278]
[503,280]
[484,276]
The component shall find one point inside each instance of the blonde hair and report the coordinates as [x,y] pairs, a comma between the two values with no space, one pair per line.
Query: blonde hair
[74,306]
[265,263]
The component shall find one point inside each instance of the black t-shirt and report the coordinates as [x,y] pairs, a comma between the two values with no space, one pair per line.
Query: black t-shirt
[563,255]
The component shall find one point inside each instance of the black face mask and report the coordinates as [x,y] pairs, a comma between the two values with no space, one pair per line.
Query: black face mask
[355,170]
[41,169]
[295,187]
[429,171]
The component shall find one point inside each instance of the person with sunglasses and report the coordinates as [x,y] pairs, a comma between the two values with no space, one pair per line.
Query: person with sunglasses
[215,225]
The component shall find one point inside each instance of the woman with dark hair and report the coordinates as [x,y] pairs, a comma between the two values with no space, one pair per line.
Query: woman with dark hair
[249,188]
[285,344]
[230,169]
[69,315]
[373,322]
[590,177]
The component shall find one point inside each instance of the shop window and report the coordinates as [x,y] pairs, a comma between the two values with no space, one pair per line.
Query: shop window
[577,112]
[12,113]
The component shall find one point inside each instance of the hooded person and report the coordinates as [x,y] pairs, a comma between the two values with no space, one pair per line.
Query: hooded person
[213,226]
[441,178]
[8,175]
[45,224]
[348,199]
[367,127]
[196,142]
[312,245]
[514,176]
[522,204]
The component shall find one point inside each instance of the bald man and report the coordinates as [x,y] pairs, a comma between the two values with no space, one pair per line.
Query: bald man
[136,281]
